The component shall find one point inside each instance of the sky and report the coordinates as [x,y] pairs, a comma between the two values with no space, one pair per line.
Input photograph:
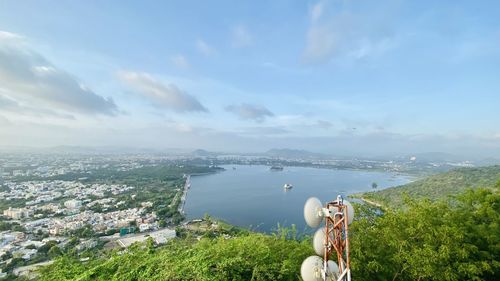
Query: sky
[347,77]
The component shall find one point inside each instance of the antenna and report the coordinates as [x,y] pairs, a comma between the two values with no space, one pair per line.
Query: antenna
[330,241]
[313,212]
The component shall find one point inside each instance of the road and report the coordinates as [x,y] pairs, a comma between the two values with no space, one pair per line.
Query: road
[187,185]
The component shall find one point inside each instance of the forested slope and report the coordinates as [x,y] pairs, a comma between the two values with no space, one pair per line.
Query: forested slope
[436,187]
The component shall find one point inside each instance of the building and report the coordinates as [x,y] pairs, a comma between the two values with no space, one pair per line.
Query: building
[163,235]
[147,204]
[17,213]
[143,227]
[87,244]
[73,204]
[159,237]
[25,254]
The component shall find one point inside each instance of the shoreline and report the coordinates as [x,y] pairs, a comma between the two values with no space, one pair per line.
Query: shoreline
[370,202]
[182,203]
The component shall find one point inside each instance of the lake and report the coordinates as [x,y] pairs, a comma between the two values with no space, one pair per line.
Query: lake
[254,197]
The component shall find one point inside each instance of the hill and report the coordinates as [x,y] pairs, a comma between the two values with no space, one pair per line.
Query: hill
[439,186]
[294,154]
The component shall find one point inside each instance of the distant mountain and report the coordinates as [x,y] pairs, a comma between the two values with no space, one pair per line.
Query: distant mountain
[69,149]
[94,150]
[435,187]
[202,153]
[488,162]
[294,153]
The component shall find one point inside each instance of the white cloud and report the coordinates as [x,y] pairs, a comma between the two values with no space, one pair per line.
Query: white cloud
[324,124]
[10,106]
[204,48]
[241,37]
[322,42]
[317,10]
[4,121]
[7,103]
[180,61]
[4,35]
[159,94]
[27,77]
[262,131]
[346,34]
[250,112]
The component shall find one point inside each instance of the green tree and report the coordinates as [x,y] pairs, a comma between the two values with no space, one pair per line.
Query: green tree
[431,241]
[54,252]
[44,249]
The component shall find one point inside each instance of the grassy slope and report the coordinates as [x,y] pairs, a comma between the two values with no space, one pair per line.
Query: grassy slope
[248,257]
[436,187]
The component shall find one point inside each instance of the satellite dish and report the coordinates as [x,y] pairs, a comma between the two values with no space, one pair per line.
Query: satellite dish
[311,267]
[319,241]
[350,211]
[313,212]
[333,271]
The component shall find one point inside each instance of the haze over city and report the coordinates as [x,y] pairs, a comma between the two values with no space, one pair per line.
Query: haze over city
[341,77]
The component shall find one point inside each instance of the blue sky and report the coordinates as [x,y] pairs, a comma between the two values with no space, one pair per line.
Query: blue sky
[339,76]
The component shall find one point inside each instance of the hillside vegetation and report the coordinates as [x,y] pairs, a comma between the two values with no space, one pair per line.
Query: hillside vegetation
[435,187]
[426,241]
[250,256]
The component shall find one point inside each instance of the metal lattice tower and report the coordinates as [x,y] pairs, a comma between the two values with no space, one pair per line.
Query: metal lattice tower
[331,242]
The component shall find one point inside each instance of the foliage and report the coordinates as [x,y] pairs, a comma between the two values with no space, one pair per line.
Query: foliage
[14,226]
[247,257]
[54,252]
[84,232]
[436,187]
[431,241]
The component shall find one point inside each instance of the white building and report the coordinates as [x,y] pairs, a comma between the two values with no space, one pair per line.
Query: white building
[73,204]
[143,227]
[17,213]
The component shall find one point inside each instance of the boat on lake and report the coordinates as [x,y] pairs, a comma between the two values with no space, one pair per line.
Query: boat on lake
[287,186]
[276,168]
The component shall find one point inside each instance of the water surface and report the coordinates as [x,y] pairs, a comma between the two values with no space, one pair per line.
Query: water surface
[253,196]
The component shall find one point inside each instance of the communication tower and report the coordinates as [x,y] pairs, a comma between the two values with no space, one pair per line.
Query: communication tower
[330,242]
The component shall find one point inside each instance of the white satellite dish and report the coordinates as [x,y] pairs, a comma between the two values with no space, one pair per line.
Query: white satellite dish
[333,271]
[313,213]
[350,211]
[311,267]
[319,241]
